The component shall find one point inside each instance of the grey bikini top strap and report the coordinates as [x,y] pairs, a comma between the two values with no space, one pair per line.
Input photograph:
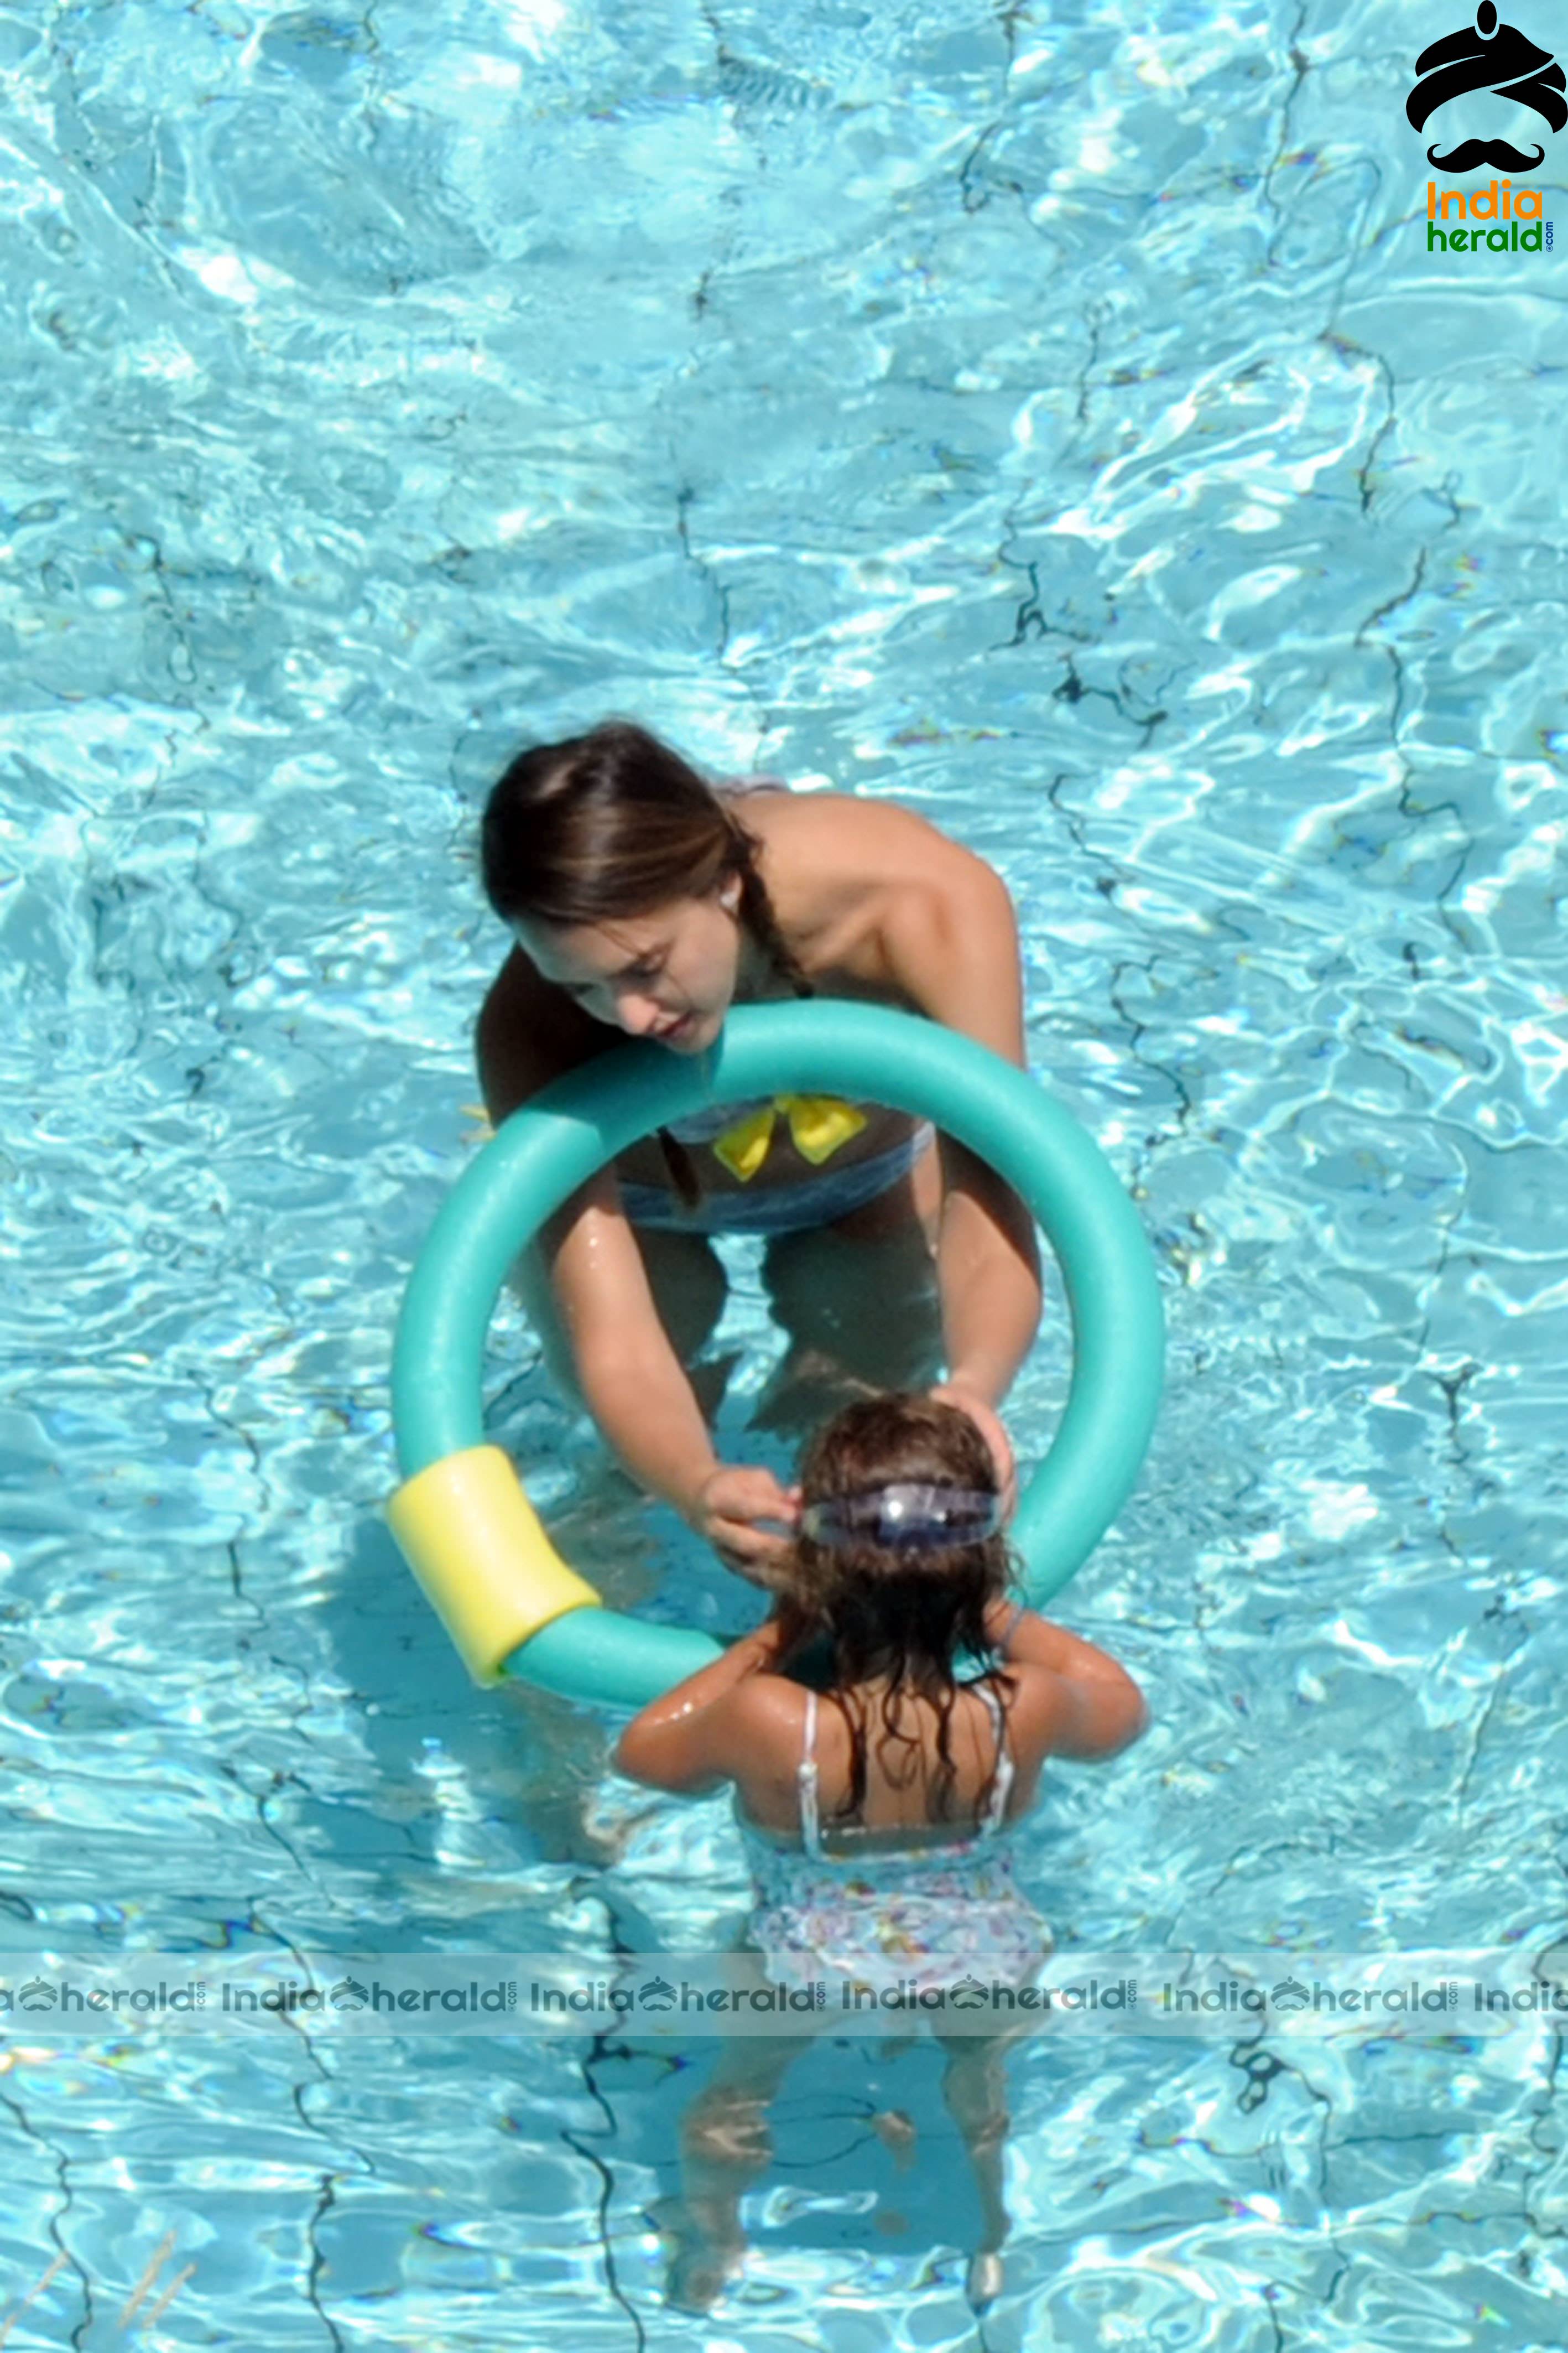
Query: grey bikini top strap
[996,1814]
[806,1784]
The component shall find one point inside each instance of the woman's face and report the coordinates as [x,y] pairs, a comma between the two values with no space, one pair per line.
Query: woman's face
[669,975]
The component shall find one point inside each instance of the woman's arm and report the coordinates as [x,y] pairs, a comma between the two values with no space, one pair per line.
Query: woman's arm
[632,1381]
[677,1742]
[636,1389]
[950,940]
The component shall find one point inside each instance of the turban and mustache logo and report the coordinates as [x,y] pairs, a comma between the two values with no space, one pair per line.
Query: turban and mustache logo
[1496,58]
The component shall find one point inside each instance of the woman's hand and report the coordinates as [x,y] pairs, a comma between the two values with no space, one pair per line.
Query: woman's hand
[728,1510]
[986,1419]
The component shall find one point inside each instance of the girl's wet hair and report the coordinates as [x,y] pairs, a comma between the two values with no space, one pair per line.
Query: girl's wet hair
[908,1613]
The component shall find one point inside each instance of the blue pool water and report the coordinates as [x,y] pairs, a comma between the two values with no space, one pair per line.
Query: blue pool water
[1053,419]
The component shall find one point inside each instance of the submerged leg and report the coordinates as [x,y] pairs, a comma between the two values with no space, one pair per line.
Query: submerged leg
[725,2146]
[857,1306]
[973,2085]
[689,1286]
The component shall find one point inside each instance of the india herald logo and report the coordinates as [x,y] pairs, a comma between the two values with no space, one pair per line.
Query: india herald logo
[1498,59]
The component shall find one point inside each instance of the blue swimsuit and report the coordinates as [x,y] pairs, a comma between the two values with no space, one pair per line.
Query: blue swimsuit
[826,1195]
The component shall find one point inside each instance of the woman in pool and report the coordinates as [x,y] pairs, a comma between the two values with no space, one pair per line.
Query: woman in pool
[644,903]
[876,1778]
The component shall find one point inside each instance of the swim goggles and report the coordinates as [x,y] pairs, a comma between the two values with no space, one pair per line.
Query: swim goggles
[906,1516]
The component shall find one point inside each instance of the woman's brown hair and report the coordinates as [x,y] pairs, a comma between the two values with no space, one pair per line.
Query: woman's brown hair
[612,824]
[905,1614]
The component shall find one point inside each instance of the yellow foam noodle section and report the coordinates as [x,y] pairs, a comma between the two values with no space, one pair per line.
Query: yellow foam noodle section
[473,1540]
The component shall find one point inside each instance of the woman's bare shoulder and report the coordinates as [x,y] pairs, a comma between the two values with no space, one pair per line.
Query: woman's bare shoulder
[837,867]
[843,832]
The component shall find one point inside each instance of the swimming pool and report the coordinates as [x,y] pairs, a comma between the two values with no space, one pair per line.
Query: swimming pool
[1058,423]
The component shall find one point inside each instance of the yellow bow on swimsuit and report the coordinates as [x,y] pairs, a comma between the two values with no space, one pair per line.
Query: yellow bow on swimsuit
[818,1124]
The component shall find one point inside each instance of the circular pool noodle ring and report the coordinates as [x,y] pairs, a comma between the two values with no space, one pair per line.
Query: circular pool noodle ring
[511,1604]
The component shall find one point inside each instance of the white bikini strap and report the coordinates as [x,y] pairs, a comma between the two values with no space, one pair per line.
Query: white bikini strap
[806,1784]
[996,1811]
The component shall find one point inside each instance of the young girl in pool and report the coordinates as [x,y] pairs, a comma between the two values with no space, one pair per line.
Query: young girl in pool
[883,1731]
[644,903]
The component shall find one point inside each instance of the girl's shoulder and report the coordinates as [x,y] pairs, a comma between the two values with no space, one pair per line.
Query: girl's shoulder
[1033,1708]
[756,1733]
[1087,1718]
[768,1706]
